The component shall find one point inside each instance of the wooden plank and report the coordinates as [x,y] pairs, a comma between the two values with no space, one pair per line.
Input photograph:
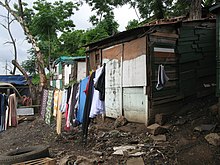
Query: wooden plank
[181,43]
[187,66]
[187,39]
[207,44]
[206,71]
[186,33]
[187,87]
[40,161]
[187,57]
[166,35]
[170,98]
[189,74]
[185,49]
[203,31]
[165,92]
[164,54]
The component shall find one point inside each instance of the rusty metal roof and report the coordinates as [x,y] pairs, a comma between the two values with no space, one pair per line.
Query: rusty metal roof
[142,30]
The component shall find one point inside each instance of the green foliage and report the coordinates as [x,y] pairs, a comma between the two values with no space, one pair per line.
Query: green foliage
[132,24]
[36,79]
[30,65]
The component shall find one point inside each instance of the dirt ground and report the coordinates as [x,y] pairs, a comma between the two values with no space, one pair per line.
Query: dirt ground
[183,144]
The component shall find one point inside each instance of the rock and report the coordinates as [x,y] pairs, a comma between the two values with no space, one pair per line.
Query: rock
[97,153]
[114,133]
[180,121]
[81,160]
[137,161]
[205,127]
[119,150]
[156,129]
[66,160]
[128,151]
[214,110]
[159,138]
[213,138]
[160,118]
[120,121]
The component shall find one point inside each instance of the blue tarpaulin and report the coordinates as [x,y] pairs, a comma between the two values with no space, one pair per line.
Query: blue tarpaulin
[13,79]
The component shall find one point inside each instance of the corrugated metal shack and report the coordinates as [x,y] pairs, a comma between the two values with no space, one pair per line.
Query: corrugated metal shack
[67,69]
[186,49]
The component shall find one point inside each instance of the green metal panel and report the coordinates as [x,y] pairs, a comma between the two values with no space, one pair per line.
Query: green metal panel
[60,68]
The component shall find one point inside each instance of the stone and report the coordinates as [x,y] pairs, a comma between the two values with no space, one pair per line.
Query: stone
[205,127]
[160,118]
[81,160]
[214,110]
[180,121]
[128,151]
[119,150]
[156,129]
[213,138]
[159,138]
[120,121]
[137,161]
[97,153]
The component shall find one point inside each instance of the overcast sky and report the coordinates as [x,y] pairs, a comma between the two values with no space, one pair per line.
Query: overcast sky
[80,18]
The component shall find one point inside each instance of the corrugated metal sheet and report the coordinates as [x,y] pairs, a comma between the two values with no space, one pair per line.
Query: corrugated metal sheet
[135,104]
[112,88]
[134,72]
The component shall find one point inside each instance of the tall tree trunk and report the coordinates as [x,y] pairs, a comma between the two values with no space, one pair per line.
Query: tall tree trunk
[40,61]
[195,10]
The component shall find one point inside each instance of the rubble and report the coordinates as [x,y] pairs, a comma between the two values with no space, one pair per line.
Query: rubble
[120,121]
[137,161]
[213,138]
[156,129]
[159,138]
[205,127]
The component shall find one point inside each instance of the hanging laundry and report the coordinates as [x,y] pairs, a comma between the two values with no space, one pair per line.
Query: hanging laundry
[59,113]
[55,102]
[100,84]
[82,99]
[161,77]
[12,102]
[97,106]
[43,103]
[67,126]
[87,108]
[72,114]
[3,106]
[63,102]
[48,113]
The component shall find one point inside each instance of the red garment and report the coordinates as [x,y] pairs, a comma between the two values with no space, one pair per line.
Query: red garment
[87,87]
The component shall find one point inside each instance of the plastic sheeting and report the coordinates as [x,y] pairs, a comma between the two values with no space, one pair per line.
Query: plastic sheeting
[13,79]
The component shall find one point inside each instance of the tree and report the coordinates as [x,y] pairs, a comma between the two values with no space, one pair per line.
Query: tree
[13,41]
[132,24]
[41,27]
[19,17]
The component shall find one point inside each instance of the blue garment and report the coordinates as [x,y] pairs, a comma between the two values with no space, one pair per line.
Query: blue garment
[82,100]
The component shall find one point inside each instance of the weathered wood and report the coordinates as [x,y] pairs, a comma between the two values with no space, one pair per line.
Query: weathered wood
[166,35]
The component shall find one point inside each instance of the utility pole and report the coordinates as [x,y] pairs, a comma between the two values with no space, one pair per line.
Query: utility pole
[6,67]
